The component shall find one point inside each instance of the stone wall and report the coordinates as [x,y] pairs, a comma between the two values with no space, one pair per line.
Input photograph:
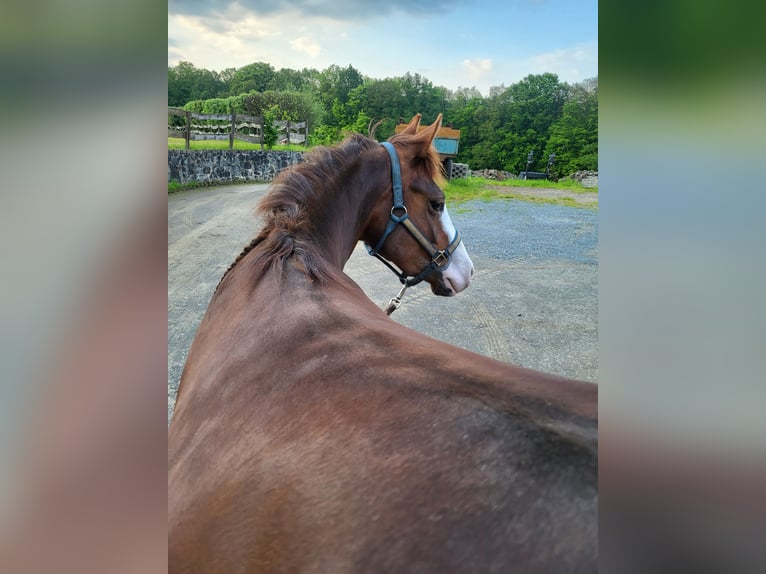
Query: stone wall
[496,174]
[588,178]
[211,166]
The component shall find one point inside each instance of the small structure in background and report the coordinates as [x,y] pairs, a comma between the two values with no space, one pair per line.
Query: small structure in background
[446,143]
[526,174]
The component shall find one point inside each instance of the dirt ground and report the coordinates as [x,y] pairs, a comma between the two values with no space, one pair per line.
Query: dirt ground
[586,198]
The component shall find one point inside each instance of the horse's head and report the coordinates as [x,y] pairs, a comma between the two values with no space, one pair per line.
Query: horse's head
[412,227]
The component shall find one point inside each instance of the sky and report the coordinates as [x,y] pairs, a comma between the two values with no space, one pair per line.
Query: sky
[467,43]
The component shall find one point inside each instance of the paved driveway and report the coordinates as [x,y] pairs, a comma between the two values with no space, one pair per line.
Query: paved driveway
[532,302]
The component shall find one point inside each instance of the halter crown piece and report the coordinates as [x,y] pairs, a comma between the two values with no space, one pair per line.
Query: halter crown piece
[440,258]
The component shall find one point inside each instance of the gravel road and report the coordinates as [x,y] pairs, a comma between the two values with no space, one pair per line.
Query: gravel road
[532,302]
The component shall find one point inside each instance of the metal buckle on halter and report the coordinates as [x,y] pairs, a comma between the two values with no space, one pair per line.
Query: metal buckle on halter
[441,258]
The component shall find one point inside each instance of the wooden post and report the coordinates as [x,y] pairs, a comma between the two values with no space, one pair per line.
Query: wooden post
[233,129]
[187,132]
[261,133]
[287,129]
[306,131]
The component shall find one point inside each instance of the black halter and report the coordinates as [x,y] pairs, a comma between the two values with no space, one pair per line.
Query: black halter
[440,258]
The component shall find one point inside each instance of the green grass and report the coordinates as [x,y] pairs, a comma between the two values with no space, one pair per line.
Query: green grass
[468,189]
[567,185]
[459,191]
[566,201]
[178,143]
[174,186]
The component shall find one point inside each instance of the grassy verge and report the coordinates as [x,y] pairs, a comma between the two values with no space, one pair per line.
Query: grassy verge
[178,143]
[564,185]
[174,186]
[566,201]
[459,191]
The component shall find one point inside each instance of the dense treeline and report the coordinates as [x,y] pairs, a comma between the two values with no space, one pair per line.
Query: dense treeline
[538,114]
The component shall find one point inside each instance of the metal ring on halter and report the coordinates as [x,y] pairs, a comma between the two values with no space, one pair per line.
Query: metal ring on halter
[404,207]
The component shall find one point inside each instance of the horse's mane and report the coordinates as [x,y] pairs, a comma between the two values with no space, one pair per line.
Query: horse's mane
[289,205]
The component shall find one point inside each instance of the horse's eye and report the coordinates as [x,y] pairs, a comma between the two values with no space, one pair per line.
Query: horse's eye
[437,205]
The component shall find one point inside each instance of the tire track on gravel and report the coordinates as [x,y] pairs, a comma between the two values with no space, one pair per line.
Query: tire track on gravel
[494,337]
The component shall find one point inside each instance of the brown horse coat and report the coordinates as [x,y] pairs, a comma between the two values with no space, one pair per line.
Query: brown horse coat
[314,434]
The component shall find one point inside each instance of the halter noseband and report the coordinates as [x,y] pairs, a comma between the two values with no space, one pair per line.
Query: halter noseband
[440,258]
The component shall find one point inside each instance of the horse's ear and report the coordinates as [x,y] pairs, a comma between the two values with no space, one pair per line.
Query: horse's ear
[412,127]
[371,128]
[427,135]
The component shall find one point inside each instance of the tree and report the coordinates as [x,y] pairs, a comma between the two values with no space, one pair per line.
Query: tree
[574,136]
[186,83]
[270,132]
[289,80]
[253,77]
[538,114]
[377,99]
[335,85]
[420,96]
[497,90]
[391,99]
[463,94]
[225,76]
[293,106]
[525,113]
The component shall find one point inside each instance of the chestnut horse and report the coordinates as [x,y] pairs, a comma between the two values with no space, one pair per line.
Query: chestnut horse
[314,434]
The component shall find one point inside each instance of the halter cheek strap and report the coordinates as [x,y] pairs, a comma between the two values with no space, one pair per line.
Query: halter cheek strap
[396,177]
[439,258]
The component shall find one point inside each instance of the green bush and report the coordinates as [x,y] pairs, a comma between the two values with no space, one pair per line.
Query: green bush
[270,133]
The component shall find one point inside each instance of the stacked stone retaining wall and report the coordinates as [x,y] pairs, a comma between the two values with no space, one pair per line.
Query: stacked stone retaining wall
[496,174]
[212,166]
[588,178]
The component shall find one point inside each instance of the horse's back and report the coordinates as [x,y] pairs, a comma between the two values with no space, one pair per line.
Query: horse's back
[374,449]
[366,477]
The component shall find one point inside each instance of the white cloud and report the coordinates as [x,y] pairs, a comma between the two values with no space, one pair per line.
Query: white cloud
[477,68]
[219,41]
[571,64]
[306,46]
[175,55]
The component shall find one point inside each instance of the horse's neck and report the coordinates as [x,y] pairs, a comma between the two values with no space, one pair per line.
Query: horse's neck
[343,212]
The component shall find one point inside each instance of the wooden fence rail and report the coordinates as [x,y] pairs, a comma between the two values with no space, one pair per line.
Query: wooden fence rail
[232,127]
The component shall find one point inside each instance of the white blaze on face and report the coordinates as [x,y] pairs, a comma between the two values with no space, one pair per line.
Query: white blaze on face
[458,273]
